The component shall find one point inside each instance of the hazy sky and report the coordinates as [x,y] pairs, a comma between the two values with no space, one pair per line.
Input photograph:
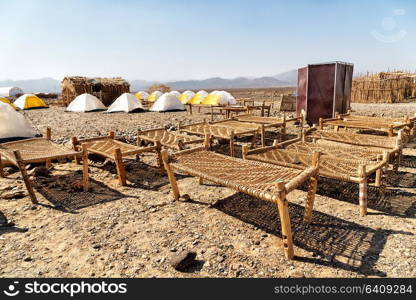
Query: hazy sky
[170,40]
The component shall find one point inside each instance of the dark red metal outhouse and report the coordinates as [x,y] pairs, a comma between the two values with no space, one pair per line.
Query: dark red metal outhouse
[324,89]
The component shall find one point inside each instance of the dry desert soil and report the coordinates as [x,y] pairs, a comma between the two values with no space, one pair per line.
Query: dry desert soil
[134,231]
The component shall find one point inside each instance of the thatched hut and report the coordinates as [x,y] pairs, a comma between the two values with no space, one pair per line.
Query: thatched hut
[105,89]
[384,87]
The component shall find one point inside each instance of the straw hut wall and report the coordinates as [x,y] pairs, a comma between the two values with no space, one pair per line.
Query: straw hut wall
[105,89]
[384,87]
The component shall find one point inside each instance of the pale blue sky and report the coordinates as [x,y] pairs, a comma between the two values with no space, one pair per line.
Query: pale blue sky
[172,40]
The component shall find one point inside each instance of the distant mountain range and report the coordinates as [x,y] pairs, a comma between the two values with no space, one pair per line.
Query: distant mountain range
[50,85]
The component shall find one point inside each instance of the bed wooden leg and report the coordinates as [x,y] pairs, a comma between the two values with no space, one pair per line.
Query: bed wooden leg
[201,181]
[232,153]
[363,191]
[283,132]
[398,161]
[22,168]
[390,131]
[74,146]
[1,167]
[285,221]
[120,167]
[159,157]
[85,176]
[263,136]
[310,199]
[379,172]
[171,175]
[48,162]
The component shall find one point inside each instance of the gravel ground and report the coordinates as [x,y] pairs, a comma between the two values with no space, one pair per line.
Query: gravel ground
[133,231]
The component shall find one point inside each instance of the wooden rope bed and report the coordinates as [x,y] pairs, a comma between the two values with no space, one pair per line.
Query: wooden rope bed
[39,150]
[264,181]
[224,131]
[333,164]
[167,139]
[388,125]
[364,142]
[109,148]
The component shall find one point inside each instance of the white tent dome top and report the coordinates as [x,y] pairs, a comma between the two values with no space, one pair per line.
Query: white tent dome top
[202,92]
[85,102]
[125,102]
[167,102]
[14,124]
[176,93]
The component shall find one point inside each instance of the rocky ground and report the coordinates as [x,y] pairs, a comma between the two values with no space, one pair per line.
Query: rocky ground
[135,231]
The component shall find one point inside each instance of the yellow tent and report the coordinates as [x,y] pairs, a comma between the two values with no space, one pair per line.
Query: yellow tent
[7,101]
[212,99]
[198,97]
[154,96]
[141,95]
[28,101]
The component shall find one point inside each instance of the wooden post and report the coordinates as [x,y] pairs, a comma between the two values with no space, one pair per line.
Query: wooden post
[159,157]
[321,124]
[85,176]
[48,133]
[1,167]
[377,182]
[22,168]
[111,134]
[207,141]
[232,144]
[190,109]
[171,174]
[286,228]
[120,167]
[244,151]
[75,147]
[48,162]
[363,190]
[212,113]
[283,131]
[263,135]
[138,141]
[390,131]
[313,183]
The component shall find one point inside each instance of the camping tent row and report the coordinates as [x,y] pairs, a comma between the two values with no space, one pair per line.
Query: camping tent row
[190,97]
[213,98]
[124,103]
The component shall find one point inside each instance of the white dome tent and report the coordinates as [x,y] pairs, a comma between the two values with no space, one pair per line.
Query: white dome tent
[13,124]
[10,91]
[186,96]
[167,102]
[125,103]
[84,103]
[230,98]
[176,93]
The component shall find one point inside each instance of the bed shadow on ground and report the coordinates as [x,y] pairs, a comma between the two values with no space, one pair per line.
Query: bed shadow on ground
[334,241]
[391,201]
[60,192]
[140,174]
[408,161]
